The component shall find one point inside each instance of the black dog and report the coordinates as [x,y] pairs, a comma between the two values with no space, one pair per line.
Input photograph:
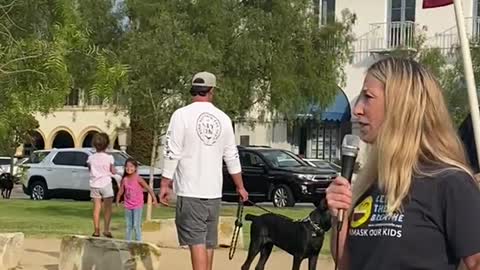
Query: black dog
[302,239]
[6,185]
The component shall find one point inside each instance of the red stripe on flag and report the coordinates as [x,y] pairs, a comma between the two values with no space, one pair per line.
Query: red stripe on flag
[436,3]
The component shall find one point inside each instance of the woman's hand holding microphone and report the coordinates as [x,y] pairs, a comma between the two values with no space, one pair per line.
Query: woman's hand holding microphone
[339,196]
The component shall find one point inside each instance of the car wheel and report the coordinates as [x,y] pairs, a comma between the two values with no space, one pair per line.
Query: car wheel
[38,191]
[282,196]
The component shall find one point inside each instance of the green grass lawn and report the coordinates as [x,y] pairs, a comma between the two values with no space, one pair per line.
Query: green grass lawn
[55,218]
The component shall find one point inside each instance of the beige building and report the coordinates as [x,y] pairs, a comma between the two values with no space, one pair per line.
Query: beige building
[75,124]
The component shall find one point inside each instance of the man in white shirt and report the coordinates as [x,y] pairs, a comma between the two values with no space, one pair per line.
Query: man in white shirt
[199,138]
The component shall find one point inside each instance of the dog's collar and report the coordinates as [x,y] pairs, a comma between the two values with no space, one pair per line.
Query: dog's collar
[316,227]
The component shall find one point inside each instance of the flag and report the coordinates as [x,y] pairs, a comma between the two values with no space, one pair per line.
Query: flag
[436,3]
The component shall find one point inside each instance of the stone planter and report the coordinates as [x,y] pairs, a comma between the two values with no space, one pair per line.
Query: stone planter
[80,252]
[11,250]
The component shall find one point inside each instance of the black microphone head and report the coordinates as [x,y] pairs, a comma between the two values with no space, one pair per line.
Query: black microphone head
[350,145]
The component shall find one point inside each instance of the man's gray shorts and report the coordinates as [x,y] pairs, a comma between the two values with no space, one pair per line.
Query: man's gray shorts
[197,221]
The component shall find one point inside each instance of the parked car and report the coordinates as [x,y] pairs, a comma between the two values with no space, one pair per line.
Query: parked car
[278,176]
[5,166]
[63,173]
[5,163]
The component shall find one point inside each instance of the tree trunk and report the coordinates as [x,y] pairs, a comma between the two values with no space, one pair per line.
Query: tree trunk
[11,153]
[12,165]
[152,167]
[142,138]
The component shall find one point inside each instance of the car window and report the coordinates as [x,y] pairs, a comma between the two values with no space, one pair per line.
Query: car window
[80,159]
[37,157]
[5,161]
[119,158]
[280,158]
[250,159]
[21,161]
[321,164]
[65,158]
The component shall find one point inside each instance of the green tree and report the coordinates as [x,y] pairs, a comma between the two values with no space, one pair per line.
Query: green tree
[455,85]
[270,56]
[159,52]
[40,41]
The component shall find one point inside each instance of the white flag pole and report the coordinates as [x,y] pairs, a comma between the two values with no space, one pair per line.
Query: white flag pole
[469,77]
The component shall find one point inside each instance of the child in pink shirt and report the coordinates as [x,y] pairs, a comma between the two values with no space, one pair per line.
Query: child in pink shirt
[132,188]
[101,166]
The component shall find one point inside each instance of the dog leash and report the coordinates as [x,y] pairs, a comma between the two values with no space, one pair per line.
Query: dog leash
[337,248]
[270,212]
[236,231]
[239,224]
[260,207]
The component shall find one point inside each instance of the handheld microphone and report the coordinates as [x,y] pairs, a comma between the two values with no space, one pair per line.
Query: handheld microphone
[350,148]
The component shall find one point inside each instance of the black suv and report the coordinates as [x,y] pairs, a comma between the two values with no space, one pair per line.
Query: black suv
[279,176]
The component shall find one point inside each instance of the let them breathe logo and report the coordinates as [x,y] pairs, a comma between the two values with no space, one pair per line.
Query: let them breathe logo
[208,128]
[370,219]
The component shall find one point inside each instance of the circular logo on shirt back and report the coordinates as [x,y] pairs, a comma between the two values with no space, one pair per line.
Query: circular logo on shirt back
[362,212]
[208,128]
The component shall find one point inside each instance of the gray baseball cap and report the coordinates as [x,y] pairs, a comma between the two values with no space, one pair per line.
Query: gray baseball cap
[205,79]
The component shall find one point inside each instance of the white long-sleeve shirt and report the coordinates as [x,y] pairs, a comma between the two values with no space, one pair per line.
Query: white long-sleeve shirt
[198,138]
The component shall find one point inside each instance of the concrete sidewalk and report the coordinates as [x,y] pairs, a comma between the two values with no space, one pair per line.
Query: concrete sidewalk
[43,254]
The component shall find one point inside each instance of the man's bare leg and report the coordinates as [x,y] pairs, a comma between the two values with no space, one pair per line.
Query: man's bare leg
[210,258]
[199,257]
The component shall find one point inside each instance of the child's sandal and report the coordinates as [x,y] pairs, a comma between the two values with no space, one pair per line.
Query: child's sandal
[95,235]
[108,234]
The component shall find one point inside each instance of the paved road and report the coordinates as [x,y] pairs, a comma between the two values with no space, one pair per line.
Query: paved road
[17,193]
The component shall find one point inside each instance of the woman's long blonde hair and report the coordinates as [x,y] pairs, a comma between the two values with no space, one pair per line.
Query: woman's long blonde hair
[417,129]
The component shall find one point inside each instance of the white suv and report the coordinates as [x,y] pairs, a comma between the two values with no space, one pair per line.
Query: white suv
[63,173]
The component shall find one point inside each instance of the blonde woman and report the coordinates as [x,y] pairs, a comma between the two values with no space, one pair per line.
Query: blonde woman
[415,205]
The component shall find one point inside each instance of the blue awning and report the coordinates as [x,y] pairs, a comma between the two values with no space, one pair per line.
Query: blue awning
[338,111]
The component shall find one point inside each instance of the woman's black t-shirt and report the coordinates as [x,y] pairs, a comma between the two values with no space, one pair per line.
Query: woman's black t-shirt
[440,224]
